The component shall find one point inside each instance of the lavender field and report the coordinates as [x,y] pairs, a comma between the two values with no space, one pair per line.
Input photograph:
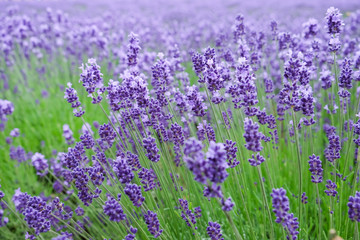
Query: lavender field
[180,120]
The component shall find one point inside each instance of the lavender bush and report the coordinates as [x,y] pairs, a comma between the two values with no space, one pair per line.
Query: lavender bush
[179,120]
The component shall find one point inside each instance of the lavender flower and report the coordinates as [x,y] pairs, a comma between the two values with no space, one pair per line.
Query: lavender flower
[304,198]
[315,169]
[332,151]
[214,231]
[354,207]
[252,136]
[256,161]
[187,214]
[6,108]
[114,210]
[134,193]
[331,188]
[40,164]
[153,224]
[311,28]
[107,133]
[79,211]
[71,97]
[18,153]
[133,49]
[281,207]
[87,140]
[217,165]
[15,132]
[148,179]
[326,79]
[151,149]
[131,235]
[91,78]
[96,175]
[122,170]
[68,134]
[227,205]
[231,153]
[334,21]
[280,204]
[195,101]
[195,159]
[346,74]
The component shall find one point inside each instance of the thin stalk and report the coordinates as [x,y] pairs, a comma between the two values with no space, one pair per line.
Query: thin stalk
[266,202]
[299,164]
[319,205]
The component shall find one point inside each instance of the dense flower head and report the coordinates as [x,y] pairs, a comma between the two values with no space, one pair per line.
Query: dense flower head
[256,160]
[331,188]
[152,152]
[231,150]
[188,215]
[153,223]
[195,100]
[227,204]
[96,175]
[87,140]
[18,153]
[91,77]
[195,159]
[71,97]
[36,212]
[68,134]
[280,204]
[292,68]
[131,235]
[107,132]
[214,231]
[354,207]
[252,135]
[217,165]
[148,179]
[315,169]
[334,22]
[326,79]
[243,90]
[281,207]
[113,210]
[133,191]
[40,164]
[133,161]
[239,27]
[123,170]
[133,49]
[332,151]
[334,44]
[311,28]
[198,63]
[15,132]
[345,77]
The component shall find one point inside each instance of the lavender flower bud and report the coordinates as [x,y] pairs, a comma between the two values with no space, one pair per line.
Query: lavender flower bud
[354,207]
[134,193]
[252,135]
[114,210]
[315,169]
[153,224]
[214,231]
[334,21]
[151,149]
[331,188]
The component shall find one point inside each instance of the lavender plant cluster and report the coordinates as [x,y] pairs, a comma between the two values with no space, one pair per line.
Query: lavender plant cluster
[221,127]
